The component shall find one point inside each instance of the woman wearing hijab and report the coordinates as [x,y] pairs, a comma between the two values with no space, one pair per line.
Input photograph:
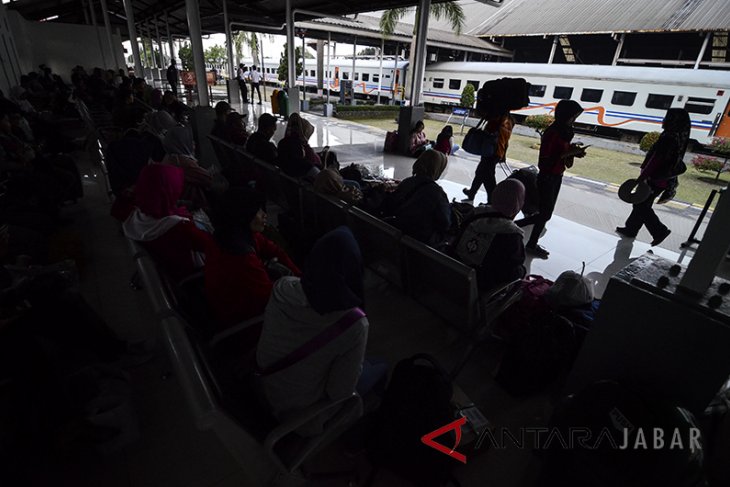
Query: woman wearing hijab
[445,141]
[556,154]
[237,282]
[296,157]
[330,293]
[180,149]
[156,125]
[661,166]
[330,182]
[491,242]
[164,229]
[419,205]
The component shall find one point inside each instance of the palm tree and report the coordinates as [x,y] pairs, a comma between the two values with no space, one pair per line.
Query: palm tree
[252,42]
[451,11]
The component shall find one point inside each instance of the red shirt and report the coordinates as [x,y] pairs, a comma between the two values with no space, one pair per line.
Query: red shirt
[238,287]
[173,251]
[552,147]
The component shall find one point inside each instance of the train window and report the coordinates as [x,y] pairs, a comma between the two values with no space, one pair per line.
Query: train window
[454,84]
[660,102]
[563,92]
[474,83]
[591,94]
[366,76]
[537,90]
[357,76]
[699,105]
[625,98]
[311,73]
[376,78]
[438,82]
[345,75]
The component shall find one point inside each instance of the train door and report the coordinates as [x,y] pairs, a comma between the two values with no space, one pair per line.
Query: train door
[723,125]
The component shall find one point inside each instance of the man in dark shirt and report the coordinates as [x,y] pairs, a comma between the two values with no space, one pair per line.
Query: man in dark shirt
[172,77]
[259,143]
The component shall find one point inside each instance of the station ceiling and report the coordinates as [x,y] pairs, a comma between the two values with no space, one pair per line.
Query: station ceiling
[265,15]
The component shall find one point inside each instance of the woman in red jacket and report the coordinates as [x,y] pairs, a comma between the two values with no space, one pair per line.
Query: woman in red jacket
[165,230]
[238,283]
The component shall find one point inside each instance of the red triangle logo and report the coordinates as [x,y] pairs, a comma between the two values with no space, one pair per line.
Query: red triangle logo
[454,425]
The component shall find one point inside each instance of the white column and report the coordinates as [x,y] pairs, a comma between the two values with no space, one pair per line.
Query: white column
[159,44]
[553,49]
[702,50]
[263,66]
[304,68]
[153,59]
[380,71]
[196,42]
[291,78]
[328,74]
[229,42]
[129,13]
[169,37]
[420,55]
[107,26]
[352,76]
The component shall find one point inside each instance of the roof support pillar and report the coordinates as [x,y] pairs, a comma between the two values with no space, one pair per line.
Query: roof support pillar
[304,68]
[354,57]
[553,49]
[702,50]
[229,42]
[380,69]
[328,74]
[129,13]
[159,44]
[320,65]
[419,56]
[107,26]
[291,77]
[153,60]
[98,35]
[170,40]
[619,48]
[192,9]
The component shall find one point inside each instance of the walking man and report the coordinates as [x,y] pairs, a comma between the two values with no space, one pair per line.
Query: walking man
[241,76]
[172,77]
[255,82]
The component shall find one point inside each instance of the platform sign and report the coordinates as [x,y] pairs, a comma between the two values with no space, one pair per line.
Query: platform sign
[459,112]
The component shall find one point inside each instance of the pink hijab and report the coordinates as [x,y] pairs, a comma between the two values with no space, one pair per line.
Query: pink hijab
[158,189]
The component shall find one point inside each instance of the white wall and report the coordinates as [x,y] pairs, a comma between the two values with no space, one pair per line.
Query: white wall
[10,68]
[62,46]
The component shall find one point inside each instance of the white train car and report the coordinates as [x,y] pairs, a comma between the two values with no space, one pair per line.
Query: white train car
[615,98]
[366,79]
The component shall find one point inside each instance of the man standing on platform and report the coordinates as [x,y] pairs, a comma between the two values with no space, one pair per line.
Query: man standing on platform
[255,82]
[241,76]
[172,77]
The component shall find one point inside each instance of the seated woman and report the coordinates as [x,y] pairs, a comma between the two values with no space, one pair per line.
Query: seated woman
[165,230]
[236,129]
[296,157]
[445,141]
[418,141]
[180,149]
[419,205]
[237,282]
[222,110]
[328,295]
[490,241]
[155,127]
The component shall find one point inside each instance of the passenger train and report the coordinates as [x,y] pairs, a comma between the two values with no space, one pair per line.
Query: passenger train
[618,100]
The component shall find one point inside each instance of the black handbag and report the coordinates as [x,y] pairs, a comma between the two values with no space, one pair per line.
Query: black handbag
[479,142]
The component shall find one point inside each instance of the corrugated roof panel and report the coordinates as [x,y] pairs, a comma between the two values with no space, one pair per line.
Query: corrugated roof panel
[549,17]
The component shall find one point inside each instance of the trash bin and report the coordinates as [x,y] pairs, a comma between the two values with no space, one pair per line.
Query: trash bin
[284,104]
[328,109]
[305,105]
[275,102]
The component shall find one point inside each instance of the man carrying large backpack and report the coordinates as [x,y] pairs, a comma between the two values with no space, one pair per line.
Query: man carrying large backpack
[502,125]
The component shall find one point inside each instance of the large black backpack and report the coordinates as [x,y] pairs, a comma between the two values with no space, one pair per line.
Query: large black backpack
[498,96]
[528,177]
[416,402]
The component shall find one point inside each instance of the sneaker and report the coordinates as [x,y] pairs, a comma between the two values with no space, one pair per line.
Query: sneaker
[537,251]
[661,237]
[624,232]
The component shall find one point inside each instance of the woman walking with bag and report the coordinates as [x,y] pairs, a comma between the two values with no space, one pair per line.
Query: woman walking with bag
[485,174]
[661,166]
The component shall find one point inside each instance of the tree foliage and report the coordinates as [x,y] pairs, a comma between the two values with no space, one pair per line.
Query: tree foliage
[368,51]
[539,122]
[283,69]
[648,140]
[450,11]
[467,96]
[185,53]
[215,56]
